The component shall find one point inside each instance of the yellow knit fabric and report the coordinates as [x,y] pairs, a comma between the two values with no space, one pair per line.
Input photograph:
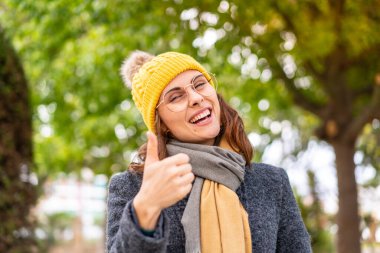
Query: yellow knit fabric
[224,221]
[152,78]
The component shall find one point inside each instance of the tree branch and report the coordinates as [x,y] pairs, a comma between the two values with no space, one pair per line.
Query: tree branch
[299,98]
[367,114]
[360,58]
[319,76]
[366,90]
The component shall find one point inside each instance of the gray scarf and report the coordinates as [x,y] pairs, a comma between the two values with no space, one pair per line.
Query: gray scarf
[208,162]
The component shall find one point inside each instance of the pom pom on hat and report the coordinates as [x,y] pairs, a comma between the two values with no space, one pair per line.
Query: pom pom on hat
[132,64]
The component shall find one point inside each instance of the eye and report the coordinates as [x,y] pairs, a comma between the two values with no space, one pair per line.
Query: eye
[175,97]
[199,85]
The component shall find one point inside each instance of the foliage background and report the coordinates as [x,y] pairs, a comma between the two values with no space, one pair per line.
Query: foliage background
[83,117]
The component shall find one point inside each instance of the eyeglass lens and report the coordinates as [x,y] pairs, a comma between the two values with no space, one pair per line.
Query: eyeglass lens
[177,99]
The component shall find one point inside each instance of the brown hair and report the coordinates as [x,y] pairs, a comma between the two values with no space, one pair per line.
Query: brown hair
[232,129]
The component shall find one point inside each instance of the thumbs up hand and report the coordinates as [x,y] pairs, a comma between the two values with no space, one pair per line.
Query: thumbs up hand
[164,183]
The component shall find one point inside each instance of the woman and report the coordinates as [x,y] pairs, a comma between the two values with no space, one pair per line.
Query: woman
[198,191]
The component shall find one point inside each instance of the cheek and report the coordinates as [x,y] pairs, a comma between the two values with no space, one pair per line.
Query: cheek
[173,121]
[217,110]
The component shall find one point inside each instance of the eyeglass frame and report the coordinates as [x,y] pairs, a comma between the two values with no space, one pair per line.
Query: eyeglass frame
[214,85]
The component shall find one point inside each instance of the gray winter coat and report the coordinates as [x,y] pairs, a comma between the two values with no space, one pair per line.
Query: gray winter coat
[274,218]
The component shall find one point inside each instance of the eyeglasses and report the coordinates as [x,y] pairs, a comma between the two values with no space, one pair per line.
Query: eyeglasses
[176,99]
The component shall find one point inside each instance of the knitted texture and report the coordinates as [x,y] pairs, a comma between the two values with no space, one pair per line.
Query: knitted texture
[274,218]
[214,219]
[152,78]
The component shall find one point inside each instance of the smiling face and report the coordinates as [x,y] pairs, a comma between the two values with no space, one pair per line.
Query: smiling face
[199,120]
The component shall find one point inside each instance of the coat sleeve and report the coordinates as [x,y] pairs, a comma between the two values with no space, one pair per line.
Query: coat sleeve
[292,234]
[123,233]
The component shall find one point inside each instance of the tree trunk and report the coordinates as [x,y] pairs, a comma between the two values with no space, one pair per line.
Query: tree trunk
[18,190]
[348,238]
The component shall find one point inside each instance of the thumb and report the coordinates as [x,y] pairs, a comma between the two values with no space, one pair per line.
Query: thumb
[152,149]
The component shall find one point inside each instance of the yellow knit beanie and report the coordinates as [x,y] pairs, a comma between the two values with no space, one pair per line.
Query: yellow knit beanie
[148,76]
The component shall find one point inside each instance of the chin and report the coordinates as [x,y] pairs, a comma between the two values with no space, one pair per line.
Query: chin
[201,135]
[210,133]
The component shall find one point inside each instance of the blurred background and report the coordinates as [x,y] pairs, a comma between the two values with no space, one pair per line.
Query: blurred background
[304,75]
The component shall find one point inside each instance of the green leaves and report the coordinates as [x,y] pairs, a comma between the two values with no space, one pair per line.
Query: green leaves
[263,52]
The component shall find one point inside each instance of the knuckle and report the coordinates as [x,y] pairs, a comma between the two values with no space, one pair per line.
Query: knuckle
[189,178]
[182,171]
[177,181]
[188,167]
[183,157]
[187,188]
[172,172]
[167,162]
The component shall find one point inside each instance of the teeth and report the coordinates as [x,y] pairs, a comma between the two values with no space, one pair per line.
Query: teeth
[199,116]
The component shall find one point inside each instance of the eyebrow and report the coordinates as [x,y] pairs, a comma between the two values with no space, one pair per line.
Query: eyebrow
[178,88]
[172,89]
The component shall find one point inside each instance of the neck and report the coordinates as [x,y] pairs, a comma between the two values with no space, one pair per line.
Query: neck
[224,144]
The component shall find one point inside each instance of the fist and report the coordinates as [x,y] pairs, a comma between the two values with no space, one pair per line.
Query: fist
[167,181]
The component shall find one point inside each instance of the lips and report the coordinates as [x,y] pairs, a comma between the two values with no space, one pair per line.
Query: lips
[202,114]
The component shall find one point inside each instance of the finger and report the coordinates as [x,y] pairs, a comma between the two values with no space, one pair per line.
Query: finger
[188,178]
[176,172]
[183,169]
[152,149]
[177,159]
[185,190]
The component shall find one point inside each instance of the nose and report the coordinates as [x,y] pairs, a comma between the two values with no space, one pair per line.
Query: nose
[194,98]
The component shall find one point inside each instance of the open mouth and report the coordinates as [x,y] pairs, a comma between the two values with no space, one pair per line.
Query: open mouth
[201,117]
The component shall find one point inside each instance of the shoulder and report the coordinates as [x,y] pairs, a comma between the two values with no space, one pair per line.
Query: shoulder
[265,185]
[126,181]
[265,174]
